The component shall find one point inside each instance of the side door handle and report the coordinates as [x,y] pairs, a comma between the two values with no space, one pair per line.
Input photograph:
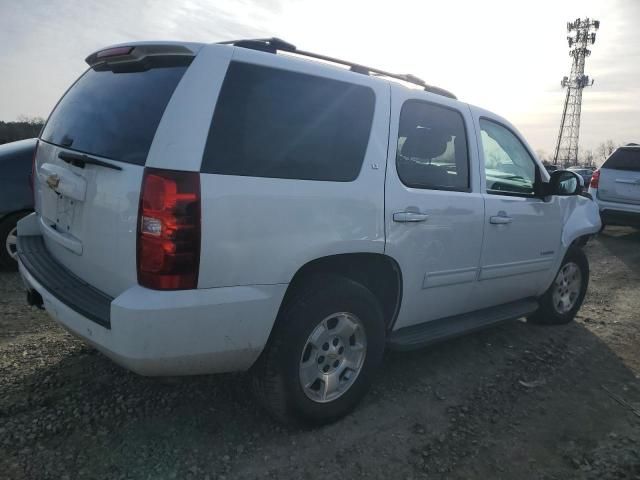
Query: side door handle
[410,217]
[500,220]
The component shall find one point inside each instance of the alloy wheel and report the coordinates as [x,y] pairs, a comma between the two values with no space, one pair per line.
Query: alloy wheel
[332,357]
[567,287]
[11,243]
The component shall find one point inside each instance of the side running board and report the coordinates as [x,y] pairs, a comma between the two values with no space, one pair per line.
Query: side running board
[416,336]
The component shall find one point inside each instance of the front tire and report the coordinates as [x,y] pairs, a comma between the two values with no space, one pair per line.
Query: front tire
[323,354]
[561,302]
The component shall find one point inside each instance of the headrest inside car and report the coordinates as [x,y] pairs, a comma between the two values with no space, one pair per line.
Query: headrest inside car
[425,143]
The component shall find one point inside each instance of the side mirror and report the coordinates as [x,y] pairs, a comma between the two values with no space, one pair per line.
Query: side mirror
[565,182]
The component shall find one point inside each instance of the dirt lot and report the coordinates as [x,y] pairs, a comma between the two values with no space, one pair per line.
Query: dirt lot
[517,401]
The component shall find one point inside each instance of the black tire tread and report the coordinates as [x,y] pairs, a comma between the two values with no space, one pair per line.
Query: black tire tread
[546,314]
[6,225]
[267,381]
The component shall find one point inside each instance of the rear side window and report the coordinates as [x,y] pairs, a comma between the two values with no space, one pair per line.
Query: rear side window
[280,124]
[113,114]
[432,147]
[624,159]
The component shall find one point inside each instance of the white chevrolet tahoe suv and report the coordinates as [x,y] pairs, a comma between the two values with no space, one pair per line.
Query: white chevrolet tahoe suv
[244,206]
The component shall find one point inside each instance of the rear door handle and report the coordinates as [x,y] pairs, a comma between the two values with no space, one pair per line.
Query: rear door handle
[500,220]
[410,217]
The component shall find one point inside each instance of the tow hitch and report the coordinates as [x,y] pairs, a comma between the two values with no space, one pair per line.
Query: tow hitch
[35,299]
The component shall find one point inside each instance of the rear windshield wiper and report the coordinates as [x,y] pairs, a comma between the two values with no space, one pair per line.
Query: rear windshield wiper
[81,159]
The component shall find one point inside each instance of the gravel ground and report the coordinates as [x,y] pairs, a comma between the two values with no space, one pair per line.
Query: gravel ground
[514,402]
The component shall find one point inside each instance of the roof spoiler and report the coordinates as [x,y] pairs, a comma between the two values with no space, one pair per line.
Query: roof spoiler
[135,53]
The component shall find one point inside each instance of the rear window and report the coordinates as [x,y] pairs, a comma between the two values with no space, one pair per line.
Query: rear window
[624,159]
[113,114]
[280,124]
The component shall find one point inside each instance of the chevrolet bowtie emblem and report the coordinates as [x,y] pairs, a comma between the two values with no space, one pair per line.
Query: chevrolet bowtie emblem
[53,181]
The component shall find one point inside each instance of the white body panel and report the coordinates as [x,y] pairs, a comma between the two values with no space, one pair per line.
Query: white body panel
[185,332]
[258,232]
[607,206]
[516,256]
[619,186]
[93,234]
[182,132]
[262,230]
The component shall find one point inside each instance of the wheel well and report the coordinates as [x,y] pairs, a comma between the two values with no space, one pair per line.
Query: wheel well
[24,211]
[379,273]
[581,241]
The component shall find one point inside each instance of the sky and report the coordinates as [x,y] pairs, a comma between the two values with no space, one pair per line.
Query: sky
[507,56]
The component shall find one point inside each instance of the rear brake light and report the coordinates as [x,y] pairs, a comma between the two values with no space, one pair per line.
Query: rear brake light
[169,230]
[114,52]
[595,179]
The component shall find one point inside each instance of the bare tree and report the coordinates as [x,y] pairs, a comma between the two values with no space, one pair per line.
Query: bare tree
[588,158]
[25,127]
[606,148]
[30,120]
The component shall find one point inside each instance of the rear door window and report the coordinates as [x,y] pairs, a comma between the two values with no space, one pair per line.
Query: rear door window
[624,159]
[281,124]
[432,147]
[113,114]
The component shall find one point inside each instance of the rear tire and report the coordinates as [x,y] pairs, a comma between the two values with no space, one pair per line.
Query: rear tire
[8,232]
[563,299]
[324,352]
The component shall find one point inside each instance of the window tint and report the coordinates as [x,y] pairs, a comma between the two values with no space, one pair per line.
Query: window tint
[624,159]
[113,114]
[432,147]
[508,166]
[280,124]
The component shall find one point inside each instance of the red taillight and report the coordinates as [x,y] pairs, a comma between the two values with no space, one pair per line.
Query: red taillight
[595,179]
[32,177]
[169,230]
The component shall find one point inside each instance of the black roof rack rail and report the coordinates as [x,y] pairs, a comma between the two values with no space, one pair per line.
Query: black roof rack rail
[272,45]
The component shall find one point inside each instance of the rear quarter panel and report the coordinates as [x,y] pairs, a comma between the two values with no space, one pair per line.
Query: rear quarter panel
[262,230]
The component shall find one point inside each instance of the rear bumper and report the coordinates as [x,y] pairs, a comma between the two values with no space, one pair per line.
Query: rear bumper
[185,332]
[617,213]
[620,217]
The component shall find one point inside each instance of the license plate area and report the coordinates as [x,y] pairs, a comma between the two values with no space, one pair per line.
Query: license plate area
[629,190]
[65,212]
[58,210]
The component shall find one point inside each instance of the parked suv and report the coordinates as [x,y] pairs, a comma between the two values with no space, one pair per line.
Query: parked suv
[225,207]
[616,187]
[16,196]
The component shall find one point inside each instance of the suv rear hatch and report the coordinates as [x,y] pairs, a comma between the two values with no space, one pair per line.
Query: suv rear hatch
[90,160]
[620,177]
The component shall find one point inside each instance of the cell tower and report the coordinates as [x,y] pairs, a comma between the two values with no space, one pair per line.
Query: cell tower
[583,35]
